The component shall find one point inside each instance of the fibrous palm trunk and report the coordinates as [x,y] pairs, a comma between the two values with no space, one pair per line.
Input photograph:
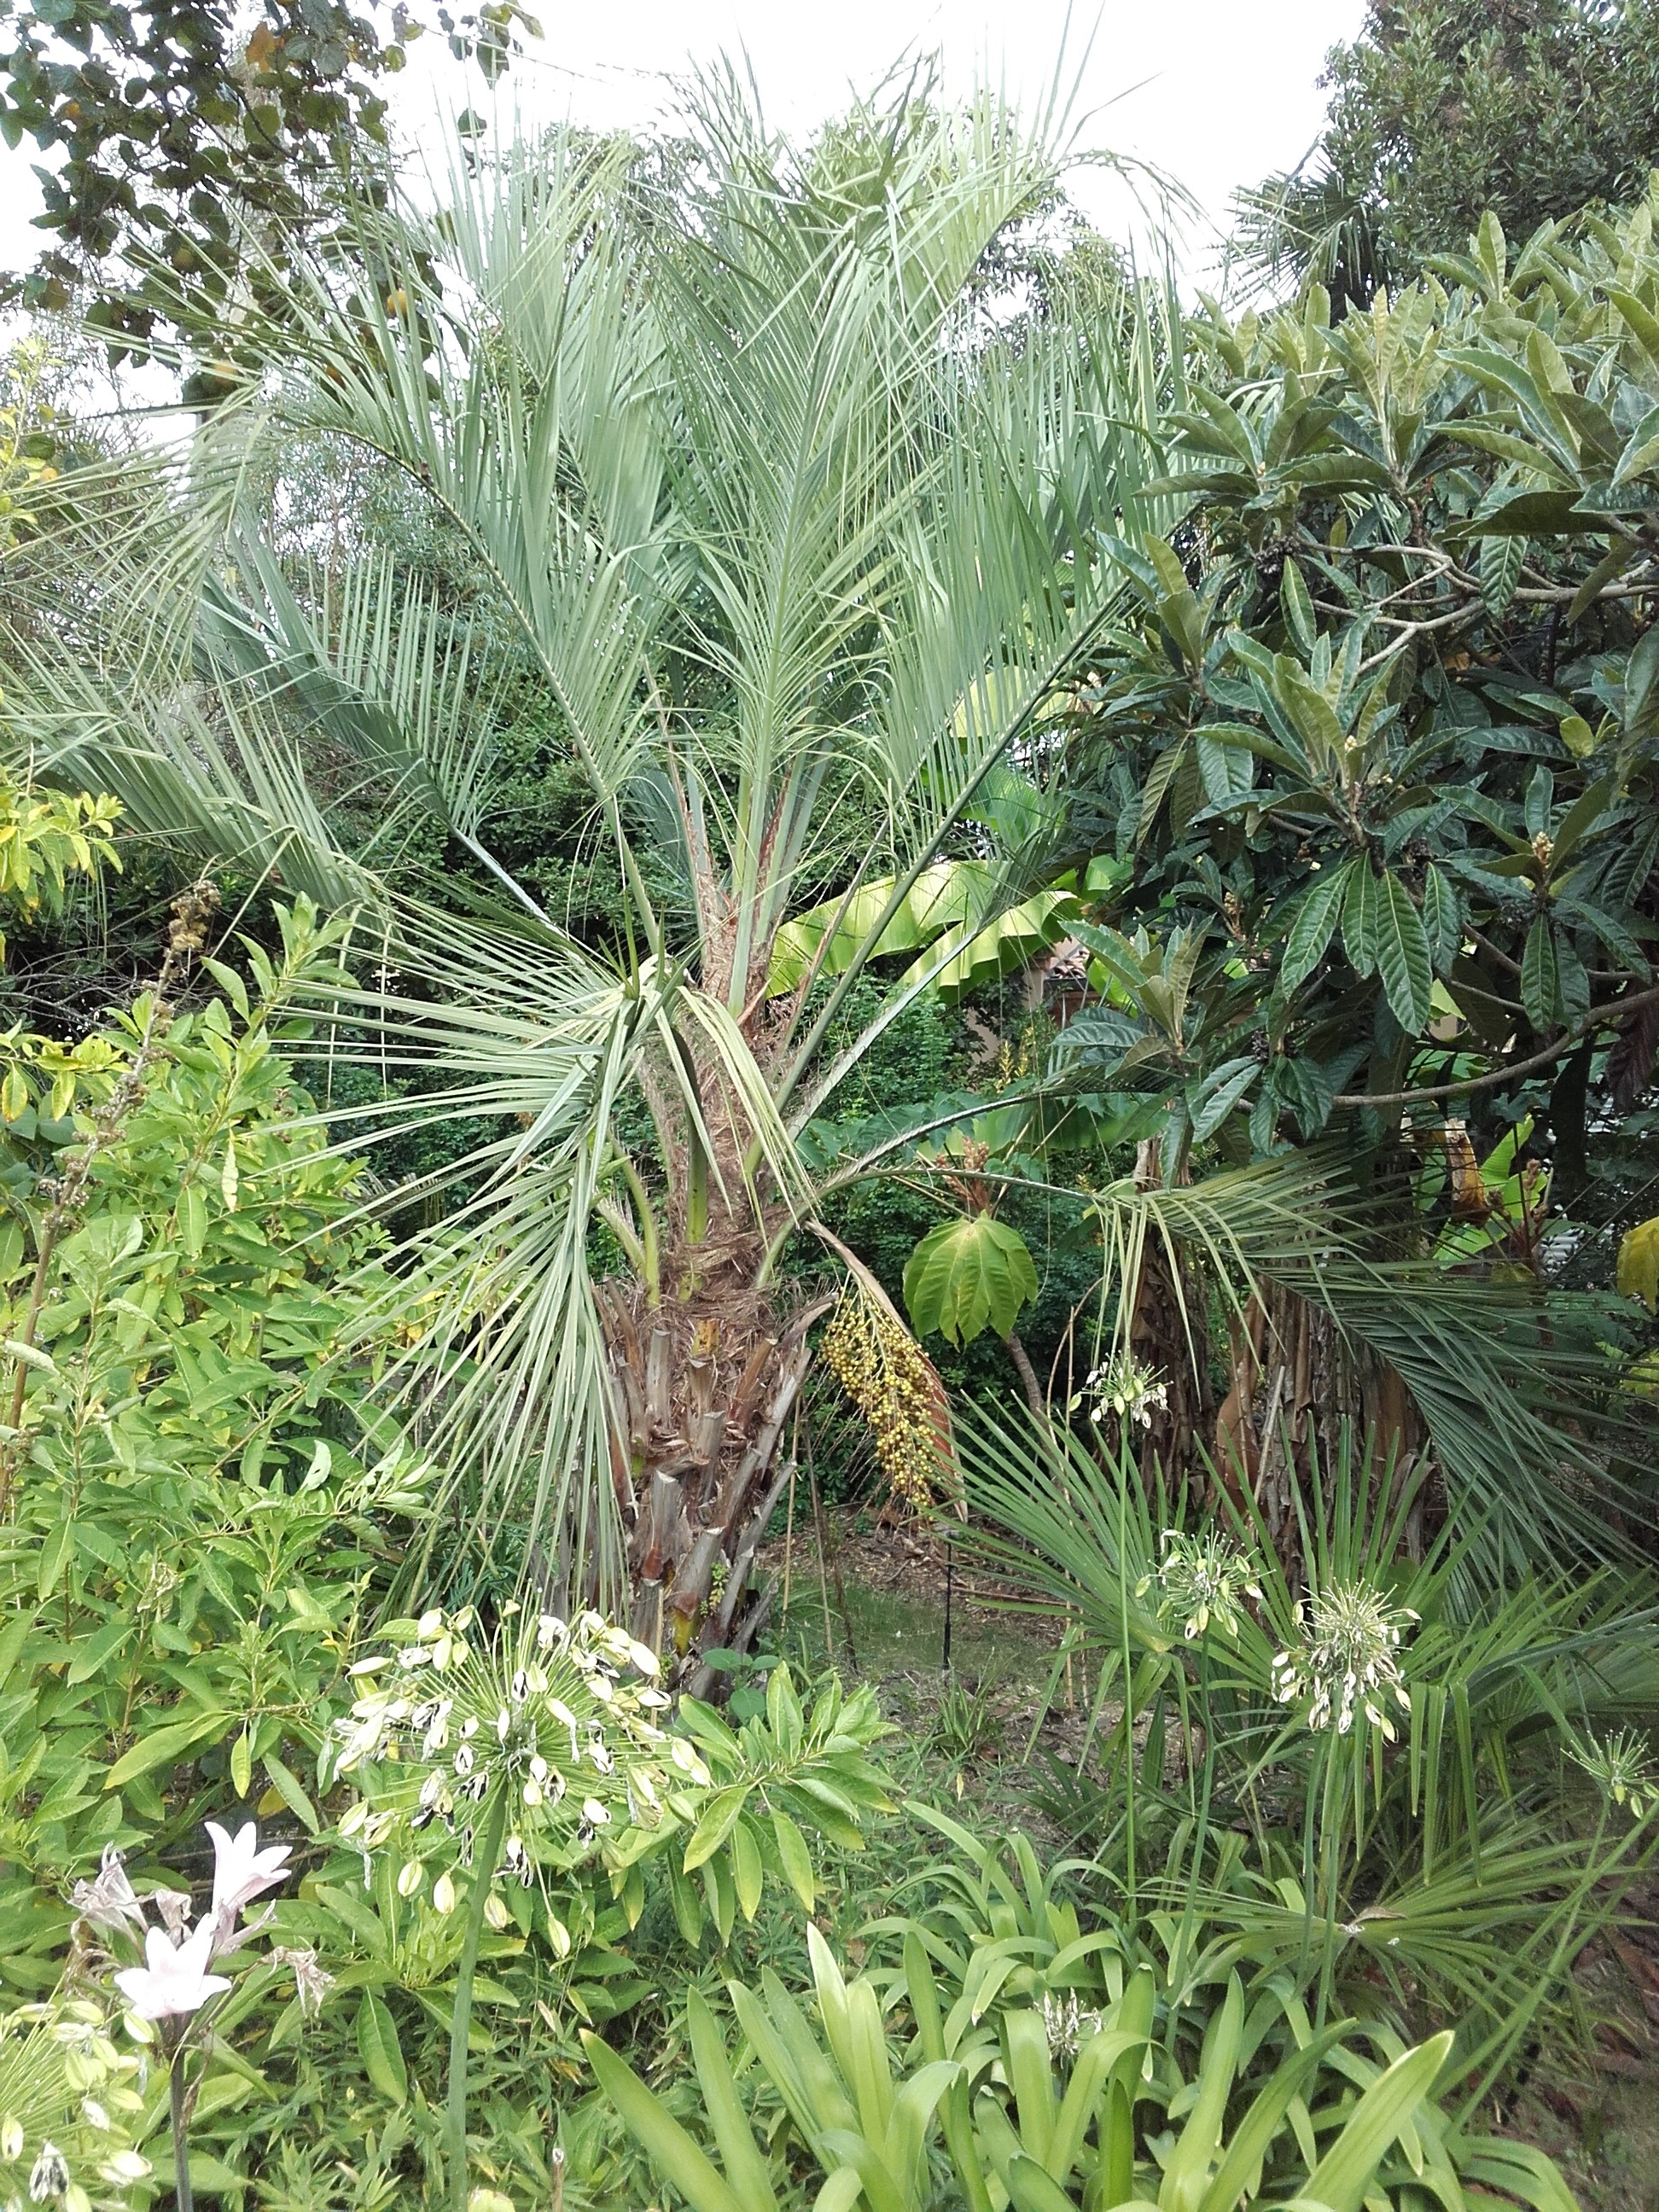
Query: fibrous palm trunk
[1296,1387]
[703,1390]
[706,1364]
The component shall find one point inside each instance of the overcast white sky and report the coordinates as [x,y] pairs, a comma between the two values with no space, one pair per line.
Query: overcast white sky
[1216,92]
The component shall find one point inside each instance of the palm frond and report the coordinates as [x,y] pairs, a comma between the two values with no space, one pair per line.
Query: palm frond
[493,1310]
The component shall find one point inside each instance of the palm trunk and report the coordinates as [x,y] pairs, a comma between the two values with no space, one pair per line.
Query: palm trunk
[703,1386]
[1295,1387]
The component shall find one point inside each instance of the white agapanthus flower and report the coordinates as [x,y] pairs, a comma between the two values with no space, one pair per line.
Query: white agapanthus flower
[1348,1661]
[241,1872]
[551,1724]
[173,1981]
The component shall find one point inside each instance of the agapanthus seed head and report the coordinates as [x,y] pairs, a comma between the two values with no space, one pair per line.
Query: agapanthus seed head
[1202,1577]
[1347,1665]
[1621,1768]
[1123,1387]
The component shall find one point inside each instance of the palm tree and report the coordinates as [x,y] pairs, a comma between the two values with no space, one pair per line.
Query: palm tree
[799,538]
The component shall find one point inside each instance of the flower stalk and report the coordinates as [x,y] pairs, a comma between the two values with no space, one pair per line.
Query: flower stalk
[183,2194]
[461,2018]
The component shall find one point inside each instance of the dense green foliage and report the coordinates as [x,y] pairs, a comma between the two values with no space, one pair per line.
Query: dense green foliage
[1443,109]
[726,777]
[185,131]
[1380,750]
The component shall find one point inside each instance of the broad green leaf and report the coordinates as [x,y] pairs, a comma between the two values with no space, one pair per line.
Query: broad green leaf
[379,2048]
[1253,2136]
[1159,778]
[1607,570]
[1580,819]
[165,1746]
[49,1567]
[783,1713]
[1101,2065]
[1491,252]
[1638,1263]
[1402,955]
[1442,922]
[1529,2175]
[288,1788]
[745,2165]
[1641,673]
[1031,2078]
[1359,918]
[18,1632]
[1228,771]
[1211,1101]
[229,983]
[92,1655]
[720,1891]
[1030,2189]
[1343,2175]
[688,1905]
[1187,2170]
[748,1871]
[1540,981]
[1297,607]
[794,1858]
[946,900]
[966,1273]
[1500,569]
[904,2145]
[1643,326]
[1314,927]
[666,2144]
[723,1811]
[1311,714]
[192,1220]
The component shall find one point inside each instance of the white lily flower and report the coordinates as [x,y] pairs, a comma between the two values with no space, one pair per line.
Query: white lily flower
[172,1983]
[241,1870]
[110,1901]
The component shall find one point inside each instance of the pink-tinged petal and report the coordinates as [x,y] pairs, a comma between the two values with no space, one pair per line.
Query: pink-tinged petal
[241,1870]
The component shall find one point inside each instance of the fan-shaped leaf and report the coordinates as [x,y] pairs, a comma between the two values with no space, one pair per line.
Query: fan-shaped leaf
[965,1273]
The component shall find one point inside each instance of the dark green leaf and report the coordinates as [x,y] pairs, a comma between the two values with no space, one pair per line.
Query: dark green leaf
[1402,954]
[379,2048]
[1540,986]
[1359,918]
[966,1273]
[1228,770]
[1500,570]
[1300,616]
[1314,928]
[1442,921]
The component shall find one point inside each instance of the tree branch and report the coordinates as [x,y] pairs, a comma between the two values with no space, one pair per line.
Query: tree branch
[1599,1017]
